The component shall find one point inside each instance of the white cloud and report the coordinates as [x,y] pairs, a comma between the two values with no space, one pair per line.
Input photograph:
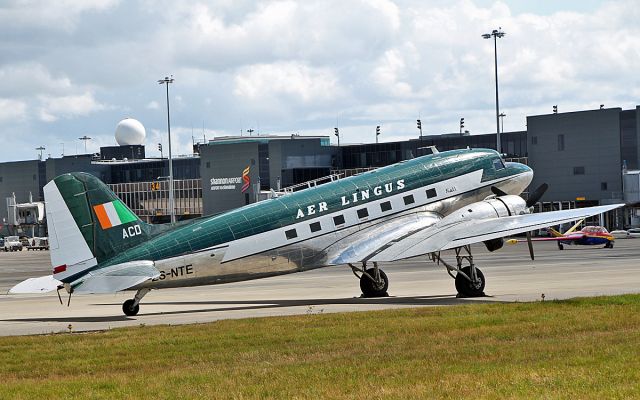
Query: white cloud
[289,66]
[53,108]
[296,81]
[12,110]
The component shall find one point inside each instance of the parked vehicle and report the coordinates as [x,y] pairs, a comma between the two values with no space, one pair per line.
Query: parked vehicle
[1,242]
[12,243]
[620,234]
[634,232]
[38,243]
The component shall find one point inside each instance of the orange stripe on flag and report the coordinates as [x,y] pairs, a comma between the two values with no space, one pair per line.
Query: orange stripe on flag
[102,216]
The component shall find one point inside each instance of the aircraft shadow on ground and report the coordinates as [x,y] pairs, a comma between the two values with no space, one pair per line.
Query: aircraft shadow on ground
[248,305]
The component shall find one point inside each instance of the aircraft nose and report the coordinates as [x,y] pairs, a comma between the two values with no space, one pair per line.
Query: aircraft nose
[522,171]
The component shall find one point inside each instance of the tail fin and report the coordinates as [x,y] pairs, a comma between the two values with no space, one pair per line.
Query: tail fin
[87,224]
[576,226]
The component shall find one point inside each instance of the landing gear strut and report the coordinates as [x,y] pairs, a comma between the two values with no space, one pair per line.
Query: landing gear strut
[132,306]
[373,281]
[469,280]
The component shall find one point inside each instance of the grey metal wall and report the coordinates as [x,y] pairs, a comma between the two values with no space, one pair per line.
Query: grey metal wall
[221,161]
[591,145]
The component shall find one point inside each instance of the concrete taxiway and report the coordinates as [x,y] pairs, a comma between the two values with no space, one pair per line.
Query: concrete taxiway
[510,274]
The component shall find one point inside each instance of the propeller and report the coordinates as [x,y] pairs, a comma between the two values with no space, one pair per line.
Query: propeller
[530,244]
[537,194]
[534,197]
[498,192]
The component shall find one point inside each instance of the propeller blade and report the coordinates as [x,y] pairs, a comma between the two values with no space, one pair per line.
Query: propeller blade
[530,243]
[537,194]
[497,191]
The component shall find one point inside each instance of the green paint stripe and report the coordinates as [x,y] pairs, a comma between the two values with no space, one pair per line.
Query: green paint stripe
[123,212]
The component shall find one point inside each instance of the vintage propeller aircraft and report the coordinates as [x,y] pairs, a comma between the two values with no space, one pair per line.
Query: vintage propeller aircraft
[445,200]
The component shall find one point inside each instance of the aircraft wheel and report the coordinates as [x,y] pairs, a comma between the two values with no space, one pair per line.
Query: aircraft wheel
[560,246]
[129,309]
[374,289]
[609,245]
[467,288]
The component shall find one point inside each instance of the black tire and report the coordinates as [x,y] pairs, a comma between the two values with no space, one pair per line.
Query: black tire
[373,289]
[128,309]
[467,288]
[609,245]
[560,246]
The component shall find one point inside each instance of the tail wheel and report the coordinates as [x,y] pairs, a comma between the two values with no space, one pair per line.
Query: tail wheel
[129,309]
[560,246]
[466,288]
[371,288]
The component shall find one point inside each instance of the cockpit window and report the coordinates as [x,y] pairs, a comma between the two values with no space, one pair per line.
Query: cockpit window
[498,164]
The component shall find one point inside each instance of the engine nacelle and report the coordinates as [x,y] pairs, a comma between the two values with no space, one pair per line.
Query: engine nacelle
[494,207]
[494,244]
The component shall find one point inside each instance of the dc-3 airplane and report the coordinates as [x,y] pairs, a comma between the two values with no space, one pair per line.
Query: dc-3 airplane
[445,200]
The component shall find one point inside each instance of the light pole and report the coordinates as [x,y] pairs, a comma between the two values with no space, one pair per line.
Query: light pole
[496,34]
[172,210]
[84,139]
[377,133]
[502,115]
[337,133]
[40,149]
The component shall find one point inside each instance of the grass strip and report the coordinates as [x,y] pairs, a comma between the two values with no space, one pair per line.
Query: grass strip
[584,348]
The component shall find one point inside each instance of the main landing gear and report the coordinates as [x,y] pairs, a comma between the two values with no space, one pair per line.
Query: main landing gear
[132,306]
[469,280]
[373,281]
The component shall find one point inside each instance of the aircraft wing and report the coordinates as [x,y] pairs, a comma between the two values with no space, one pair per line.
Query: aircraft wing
[42,284]
[116,277]
[447,235]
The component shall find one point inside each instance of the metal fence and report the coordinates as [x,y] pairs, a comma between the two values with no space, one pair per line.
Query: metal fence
[151,199]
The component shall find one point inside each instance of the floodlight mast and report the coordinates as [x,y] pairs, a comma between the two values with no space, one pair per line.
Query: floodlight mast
[172,210]
[496,33]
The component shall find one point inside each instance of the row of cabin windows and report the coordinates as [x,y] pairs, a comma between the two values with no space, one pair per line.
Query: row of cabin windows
[362,213]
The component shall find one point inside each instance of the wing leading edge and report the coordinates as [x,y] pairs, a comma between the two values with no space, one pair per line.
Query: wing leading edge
[447,235]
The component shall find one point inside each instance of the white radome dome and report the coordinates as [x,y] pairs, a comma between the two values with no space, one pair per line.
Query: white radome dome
[130,132]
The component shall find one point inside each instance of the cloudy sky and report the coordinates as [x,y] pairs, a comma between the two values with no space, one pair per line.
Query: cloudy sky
[73,68]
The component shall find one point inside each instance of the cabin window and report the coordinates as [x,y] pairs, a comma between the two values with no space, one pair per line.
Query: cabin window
[363,213]
[603,185]
[291,234]
[338,220]
[431,193]
[498,164]
[386,206]
[408,200]
[578,170]
[315,227]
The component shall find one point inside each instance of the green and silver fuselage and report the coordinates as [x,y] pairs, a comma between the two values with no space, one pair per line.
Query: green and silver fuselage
[320,226]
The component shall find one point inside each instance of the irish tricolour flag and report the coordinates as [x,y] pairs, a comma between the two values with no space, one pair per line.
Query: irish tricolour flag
[113,214]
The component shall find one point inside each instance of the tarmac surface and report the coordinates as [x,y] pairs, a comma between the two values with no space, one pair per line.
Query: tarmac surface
[510,274]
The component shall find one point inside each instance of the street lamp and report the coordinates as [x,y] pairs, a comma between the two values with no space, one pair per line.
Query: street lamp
[172,210]
[337,133]
[84,139]
[496,34]
[502,115]
[40,149]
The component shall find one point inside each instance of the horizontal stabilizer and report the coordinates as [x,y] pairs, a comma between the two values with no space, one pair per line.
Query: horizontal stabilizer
[116,277]
[42,284]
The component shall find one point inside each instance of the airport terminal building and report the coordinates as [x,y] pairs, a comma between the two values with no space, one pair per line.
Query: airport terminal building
[584,156]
